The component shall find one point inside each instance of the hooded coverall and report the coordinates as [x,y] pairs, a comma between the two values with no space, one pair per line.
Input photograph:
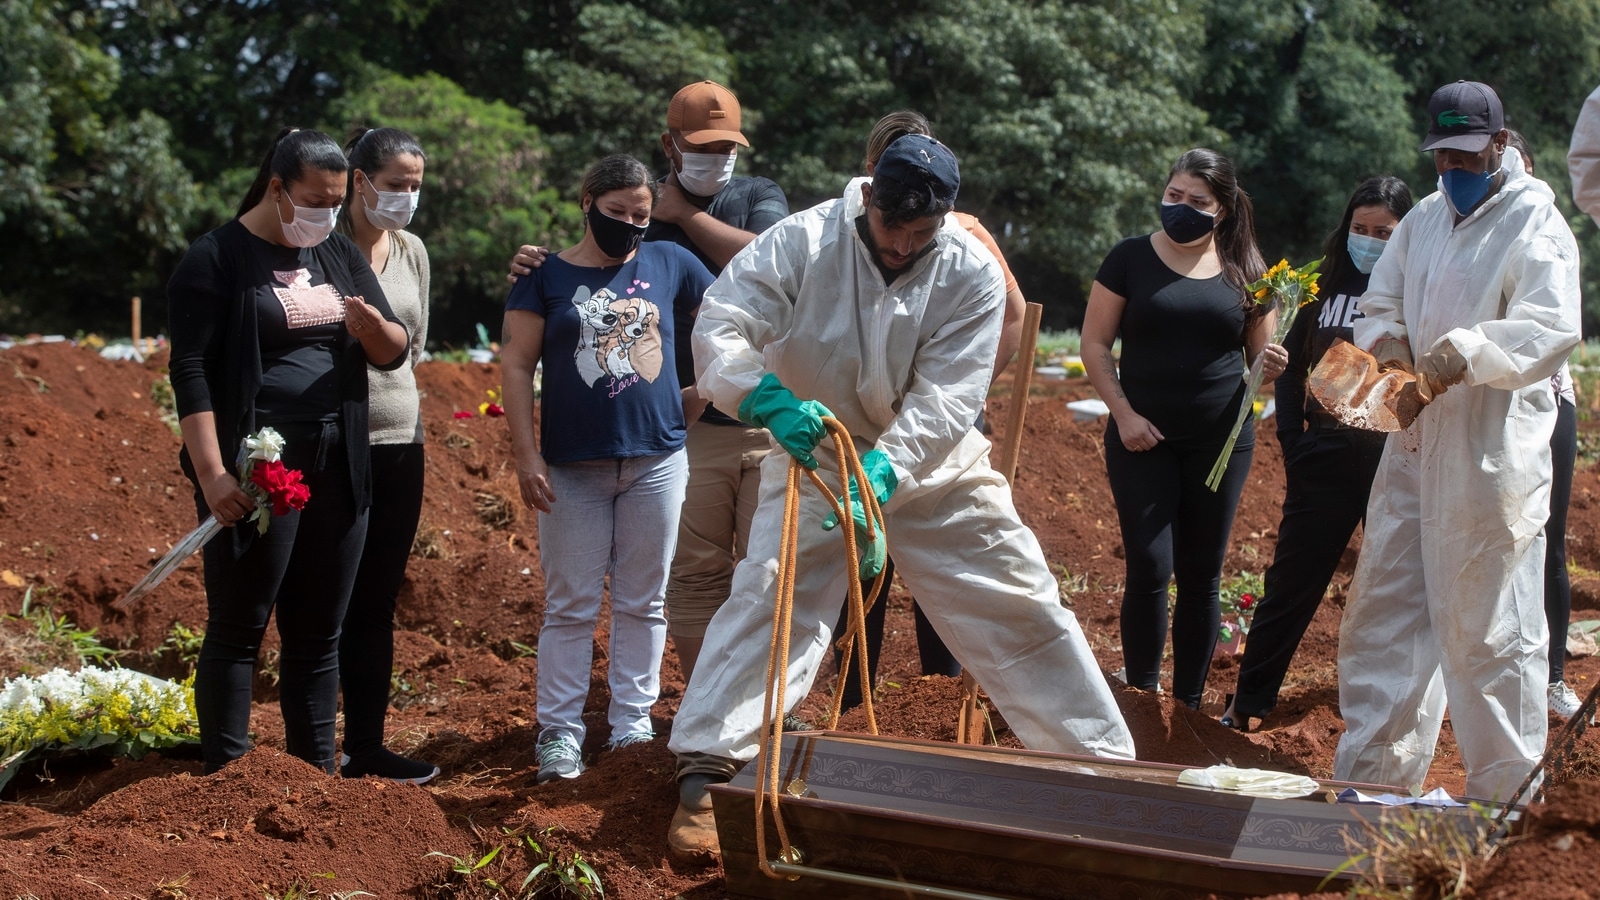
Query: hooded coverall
[1447,603]
[905,366]
[1583,157]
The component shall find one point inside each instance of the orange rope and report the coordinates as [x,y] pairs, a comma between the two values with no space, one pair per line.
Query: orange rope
[769,784]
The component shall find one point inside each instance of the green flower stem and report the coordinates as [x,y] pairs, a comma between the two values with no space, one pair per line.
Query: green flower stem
[1287,311]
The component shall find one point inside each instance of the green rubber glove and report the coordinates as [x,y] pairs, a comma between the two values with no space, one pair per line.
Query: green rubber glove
[882,481]
[794,423]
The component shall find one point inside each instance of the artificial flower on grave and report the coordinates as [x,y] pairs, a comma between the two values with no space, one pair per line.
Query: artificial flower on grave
[492,409]
[462,414]
[117,712]
[274,488]
[1282,289]
[1237,598]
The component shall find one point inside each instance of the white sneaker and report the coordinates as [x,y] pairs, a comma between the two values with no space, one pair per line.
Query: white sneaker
[1563,702]
[559,756]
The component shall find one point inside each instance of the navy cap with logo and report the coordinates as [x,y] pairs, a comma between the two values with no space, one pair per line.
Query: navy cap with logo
[1463,116]
[921,163]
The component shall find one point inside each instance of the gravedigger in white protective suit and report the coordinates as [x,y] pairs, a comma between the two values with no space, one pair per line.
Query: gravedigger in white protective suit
[881,310]
[1478,289]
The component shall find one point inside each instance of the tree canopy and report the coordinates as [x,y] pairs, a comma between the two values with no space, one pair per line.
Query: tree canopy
[129,128]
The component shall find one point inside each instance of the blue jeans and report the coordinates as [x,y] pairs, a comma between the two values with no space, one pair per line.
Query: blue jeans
[616,517]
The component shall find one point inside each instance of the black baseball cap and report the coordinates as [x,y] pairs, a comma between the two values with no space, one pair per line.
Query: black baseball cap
[921,163]
[1463,116]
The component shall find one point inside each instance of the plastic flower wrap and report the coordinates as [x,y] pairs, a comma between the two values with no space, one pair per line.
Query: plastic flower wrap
[115,711]
[273,488]
[1284,290]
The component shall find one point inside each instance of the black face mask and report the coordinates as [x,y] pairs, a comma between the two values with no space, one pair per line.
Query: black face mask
[1185,224]
[614,237]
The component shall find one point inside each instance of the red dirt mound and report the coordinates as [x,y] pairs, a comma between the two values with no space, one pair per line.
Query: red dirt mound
[91,496]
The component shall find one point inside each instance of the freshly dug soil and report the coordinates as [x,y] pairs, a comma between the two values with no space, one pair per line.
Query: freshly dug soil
[91,496]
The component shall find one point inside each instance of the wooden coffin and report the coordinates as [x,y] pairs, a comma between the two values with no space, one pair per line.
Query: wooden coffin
[891,817]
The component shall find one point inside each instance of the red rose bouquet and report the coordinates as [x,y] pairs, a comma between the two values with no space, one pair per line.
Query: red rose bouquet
[275,489]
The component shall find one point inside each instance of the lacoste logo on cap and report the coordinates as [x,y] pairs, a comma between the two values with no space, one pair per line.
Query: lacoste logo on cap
[1450,118]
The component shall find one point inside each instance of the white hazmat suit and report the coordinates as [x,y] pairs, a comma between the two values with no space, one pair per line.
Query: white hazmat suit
[905,366]
[1447,603]
[1583,157]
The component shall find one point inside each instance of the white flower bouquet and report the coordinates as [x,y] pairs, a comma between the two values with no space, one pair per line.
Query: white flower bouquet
[119,712]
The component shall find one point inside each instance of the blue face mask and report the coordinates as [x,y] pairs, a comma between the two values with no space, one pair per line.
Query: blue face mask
[1465,190]
[1364,251]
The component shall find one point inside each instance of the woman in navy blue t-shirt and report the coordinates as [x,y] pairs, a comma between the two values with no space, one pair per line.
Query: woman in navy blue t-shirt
[608,471]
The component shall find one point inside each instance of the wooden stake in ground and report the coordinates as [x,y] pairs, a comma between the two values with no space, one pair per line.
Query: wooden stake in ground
[137,316]
[969,725]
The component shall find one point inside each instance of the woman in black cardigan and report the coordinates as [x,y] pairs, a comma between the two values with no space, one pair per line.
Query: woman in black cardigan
[274,319]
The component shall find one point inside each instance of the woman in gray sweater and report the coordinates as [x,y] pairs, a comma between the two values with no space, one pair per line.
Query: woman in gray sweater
[386,167]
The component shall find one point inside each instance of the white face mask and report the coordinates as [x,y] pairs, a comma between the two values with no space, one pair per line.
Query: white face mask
[705,174]
[394,209]
[310,226]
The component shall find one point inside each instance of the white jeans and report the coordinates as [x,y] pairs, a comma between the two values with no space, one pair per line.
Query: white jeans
[977,572]
[616,517]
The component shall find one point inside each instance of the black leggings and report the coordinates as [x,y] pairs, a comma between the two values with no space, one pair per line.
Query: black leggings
[1328,476]
[366,646]
[1173,527]
[1557,590]
[304,566]
[935,657]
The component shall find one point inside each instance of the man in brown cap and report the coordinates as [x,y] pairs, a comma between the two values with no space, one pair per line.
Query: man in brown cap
[713,214]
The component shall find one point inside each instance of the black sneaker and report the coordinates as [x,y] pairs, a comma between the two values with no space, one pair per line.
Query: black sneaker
[384,764]
[559,757]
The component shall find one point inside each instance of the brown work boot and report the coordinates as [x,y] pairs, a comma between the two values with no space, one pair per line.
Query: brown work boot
[692,836]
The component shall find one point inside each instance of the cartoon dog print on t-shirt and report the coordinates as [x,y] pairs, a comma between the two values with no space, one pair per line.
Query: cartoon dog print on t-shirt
[619,337]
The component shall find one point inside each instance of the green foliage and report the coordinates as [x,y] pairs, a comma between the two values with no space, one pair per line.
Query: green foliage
[557,872]
[166,401]
[54,640]
[1054,346]
[605,89]
[81,176]
[185,642]
[129,129]
[469,870]
[1312,105]
[1416,854]
[485,191]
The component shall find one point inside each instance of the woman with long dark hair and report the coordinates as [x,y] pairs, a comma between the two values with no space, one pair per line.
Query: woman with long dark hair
[274,320]
[1328,467]
[1189,329]
[385,187]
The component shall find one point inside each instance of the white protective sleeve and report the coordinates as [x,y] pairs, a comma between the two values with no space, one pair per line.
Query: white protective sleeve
[1583,157]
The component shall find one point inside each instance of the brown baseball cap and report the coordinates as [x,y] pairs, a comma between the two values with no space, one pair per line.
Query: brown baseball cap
[704,113]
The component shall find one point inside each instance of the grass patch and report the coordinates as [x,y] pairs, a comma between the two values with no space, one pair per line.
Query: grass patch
[34,641]
[1425,851]
[1056,345]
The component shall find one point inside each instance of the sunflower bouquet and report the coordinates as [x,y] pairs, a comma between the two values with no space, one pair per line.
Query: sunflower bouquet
[1283,290]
